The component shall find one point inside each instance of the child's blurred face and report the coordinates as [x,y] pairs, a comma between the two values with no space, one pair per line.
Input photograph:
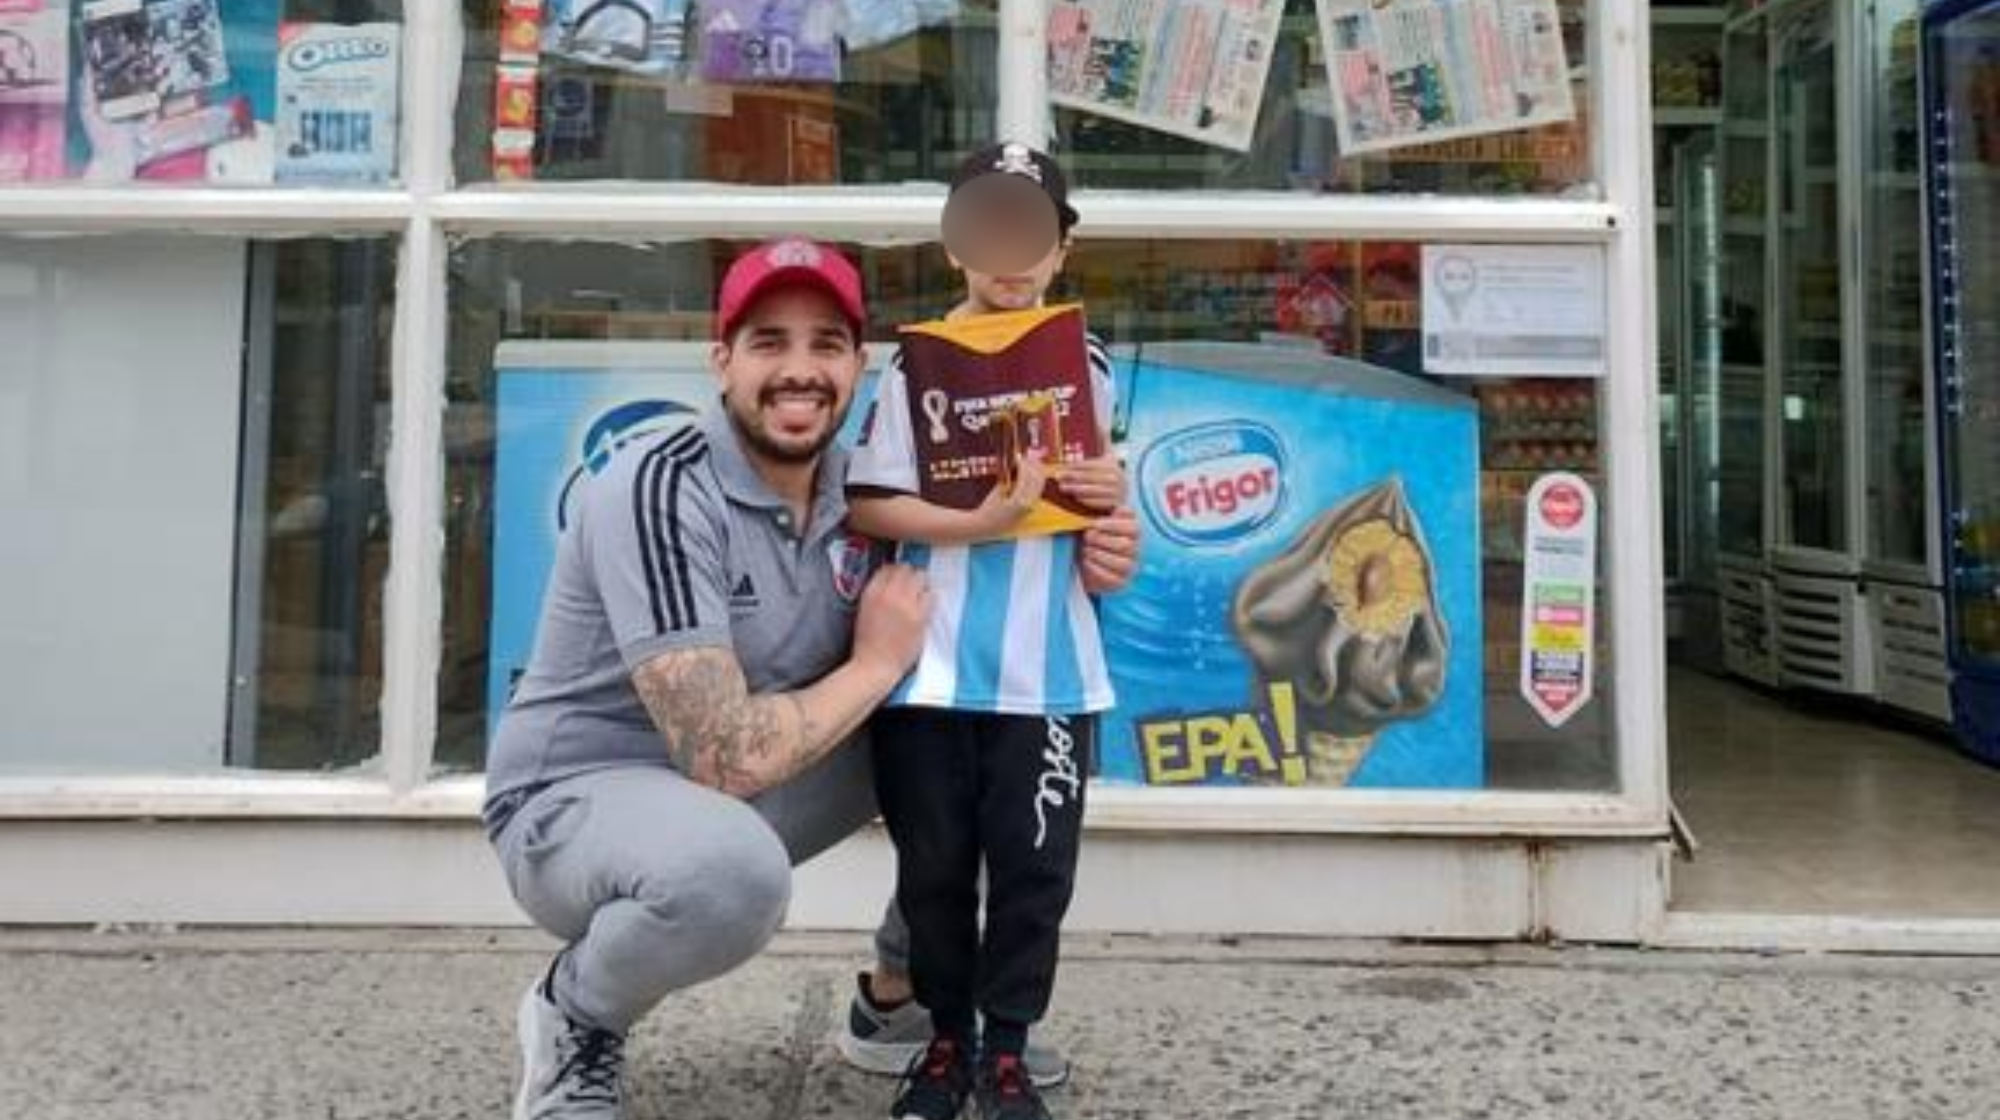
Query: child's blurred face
[1017,290]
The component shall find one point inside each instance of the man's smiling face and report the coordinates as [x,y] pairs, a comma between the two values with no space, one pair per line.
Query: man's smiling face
[788,373]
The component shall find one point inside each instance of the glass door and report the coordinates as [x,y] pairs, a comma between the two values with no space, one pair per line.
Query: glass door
[1898,419]
[1812,429]
[1965,77]
[1743,288]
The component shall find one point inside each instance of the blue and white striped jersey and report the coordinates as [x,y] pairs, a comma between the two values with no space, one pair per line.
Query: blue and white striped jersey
[1011,629]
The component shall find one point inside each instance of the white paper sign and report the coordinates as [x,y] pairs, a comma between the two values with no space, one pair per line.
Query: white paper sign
[1514,310]
[1559,597]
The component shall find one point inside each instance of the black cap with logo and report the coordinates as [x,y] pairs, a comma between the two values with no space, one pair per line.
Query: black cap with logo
[1020,161]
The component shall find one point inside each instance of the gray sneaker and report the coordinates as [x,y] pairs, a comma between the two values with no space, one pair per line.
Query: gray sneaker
[886,1042]
[568,1071]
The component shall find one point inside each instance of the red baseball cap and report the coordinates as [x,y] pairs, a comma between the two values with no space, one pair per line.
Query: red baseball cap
[777,264]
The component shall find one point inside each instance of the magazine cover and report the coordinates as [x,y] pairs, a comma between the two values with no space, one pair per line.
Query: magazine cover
[642,36]
[771,40]
[983,390]
[34,88]
[179,90]
[338,102]
[142,53]
[117,44]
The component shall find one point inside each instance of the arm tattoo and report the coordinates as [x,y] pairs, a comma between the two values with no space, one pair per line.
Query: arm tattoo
[808,730]
[716,732]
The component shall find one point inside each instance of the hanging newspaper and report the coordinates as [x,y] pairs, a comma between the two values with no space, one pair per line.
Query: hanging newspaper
[1409,72]
[1192,68]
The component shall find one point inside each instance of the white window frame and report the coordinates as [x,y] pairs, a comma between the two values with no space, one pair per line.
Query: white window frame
[426,211]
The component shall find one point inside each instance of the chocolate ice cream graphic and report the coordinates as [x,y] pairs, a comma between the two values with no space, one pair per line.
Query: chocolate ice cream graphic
[1347,615]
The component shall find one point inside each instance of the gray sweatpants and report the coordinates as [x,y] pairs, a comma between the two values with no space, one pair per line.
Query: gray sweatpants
[657,883]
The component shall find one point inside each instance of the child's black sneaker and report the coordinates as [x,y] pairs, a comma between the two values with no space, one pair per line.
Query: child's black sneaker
[936,1084]
[1006,1092]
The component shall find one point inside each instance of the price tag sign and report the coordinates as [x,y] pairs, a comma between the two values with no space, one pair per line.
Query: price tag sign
[1559,608]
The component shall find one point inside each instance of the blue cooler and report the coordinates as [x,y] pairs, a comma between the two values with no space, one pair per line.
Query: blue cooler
[1307,611]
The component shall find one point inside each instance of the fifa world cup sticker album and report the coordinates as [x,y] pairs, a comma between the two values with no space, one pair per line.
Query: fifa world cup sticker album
[986,389]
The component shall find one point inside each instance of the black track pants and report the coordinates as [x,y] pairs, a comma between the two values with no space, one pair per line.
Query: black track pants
[959,788]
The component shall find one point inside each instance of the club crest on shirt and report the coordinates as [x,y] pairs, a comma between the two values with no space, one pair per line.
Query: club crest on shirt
[853,558]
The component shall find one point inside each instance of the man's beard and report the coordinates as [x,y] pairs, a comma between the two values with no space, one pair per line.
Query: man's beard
[761,442]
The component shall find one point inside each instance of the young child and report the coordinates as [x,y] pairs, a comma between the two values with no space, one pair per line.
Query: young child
[981,754]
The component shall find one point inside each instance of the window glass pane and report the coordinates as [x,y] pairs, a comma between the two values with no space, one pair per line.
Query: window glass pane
[193,439]
[536,320]
[656,90]
[1360,301]
[570,326]
[1898,415]
[232,92]
[1296,144]
[1810,239]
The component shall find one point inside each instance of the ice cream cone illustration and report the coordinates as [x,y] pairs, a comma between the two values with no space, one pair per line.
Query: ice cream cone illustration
[1347,615]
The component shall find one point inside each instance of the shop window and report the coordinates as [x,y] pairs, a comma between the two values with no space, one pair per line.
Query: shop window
[193,432]
[1354,100]
[548,337]
[201,92]
[1362,301]
[726,91]
[1376,506]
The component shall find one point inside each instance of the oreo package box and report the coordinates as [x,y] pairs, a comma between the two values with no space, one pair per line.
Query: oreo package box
[1307,608]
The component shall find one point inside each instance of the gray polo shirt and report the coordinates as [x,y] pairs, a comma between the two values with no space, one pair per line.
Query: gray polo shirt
[678,543]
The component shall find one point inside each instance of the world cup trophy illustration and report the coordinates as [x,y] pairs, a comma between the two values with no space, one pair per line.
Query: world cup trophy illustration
[1347,615]
[1033,423]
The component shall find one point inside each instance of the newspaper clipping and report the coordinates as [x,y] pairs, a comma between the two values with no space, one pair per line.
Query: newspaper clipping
[1191,68]
[1407,72]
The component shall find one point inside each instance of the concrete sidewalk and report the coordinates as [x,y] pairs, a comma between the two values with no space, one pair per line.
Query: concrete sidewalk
[407,1025]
